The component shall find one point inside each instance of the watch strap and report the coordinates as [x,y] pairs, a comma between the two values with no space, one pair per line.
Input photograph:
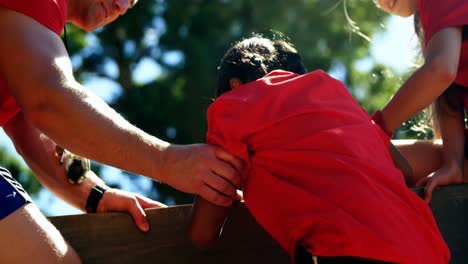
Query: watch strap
[95,195]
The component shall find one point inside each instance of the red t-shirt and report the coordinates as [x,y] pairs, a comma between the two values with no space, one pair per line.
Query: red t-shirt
[436,15]
[318,172]
[50,13]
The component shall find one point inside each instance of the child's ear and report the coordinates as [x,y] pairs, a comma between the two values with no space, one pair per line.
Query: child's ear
[234,83]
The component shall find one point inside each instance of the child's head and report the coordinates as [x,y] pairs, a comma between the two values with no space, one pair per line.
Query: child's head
[252,58]
[402,8]
[288,58]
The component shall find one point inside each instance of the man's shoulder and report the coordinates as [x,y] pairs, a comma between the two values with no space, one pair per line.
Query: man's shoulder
[50,13]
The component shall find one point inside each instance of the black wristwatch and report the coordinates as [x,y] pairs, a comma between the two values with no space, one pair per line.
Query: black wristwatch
[95,195]
[75,166]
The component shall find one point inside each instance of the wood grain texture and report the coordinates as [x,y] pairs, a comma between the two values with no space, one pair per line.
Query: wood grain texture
[114,238]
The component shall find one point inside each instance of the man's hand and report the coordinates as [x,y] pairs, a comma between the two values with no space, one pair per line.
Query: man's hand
[206,170]
[115,200]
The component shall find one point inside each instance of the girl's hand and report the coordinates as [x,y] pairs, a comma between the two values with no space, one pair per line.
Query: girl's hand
[444,176]
[115,200]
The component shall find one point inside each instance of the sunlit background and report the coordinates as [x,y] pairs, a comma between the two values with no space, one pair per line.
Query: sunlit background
[393,45]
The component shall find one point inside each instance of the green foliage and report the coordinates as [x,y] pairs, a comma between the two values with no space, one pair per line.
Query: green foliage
[419,127]
[186,39]
[20,172]
[197,33]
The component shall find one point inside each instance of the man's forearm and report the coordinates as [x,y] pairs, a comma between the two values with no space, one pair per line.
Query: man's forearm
[87,126]
[46,91]
[38,151]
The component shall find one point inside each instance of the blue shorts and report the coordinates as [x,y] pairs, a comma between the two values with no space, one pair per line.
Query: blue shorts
[12,194]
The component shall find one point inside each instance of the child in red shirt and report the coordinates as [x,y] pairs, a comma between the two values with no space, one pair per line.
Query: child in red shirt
[442,79]
[318,174]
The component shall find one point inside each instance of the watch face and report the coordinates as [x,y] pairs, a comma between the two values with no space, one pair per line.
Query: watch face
[76,171]
[75,166]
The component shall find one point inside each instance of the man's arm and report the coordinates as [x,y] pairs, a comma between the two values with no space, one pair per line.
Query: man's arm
[38,72]
[39,153]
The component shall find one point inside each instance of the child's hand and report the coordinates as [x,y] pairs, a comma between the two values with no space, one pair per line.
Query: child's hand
[444,176]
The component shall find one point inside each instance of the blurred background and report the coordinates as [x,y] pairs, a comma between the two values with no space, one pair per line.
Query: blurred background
[157,66]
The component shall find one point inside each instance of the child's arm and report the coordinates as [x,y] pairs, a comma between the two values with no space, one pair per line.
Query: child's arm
[403,165]
[442,55]
[450,117]
[206,222]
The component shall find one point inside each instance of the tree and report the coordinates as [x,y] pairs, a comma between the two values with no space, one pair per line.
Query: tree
[186,39]
[20,172]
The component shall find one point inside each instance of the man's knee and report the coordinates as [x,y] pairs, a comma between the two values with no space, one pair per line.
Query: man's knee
[28,230]
[25,229]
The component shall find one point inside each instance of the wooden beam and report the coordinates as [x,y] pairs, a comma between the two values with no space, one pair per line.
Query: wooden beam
[114,238]
[449,205]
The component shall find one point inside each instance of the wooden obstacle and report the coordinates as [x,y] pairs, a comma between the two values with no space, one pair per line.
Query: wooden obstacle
[449,205]
[114,238]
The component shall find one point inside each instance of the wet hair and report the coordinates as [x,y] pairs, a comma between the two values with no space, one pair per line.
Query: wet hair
[253,58]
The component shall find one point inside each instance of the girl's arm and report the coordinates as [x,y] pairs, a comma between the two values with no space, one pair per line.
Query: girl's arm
[206,222]
[403,165]
[38,151]
[450,117]
[442,55]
